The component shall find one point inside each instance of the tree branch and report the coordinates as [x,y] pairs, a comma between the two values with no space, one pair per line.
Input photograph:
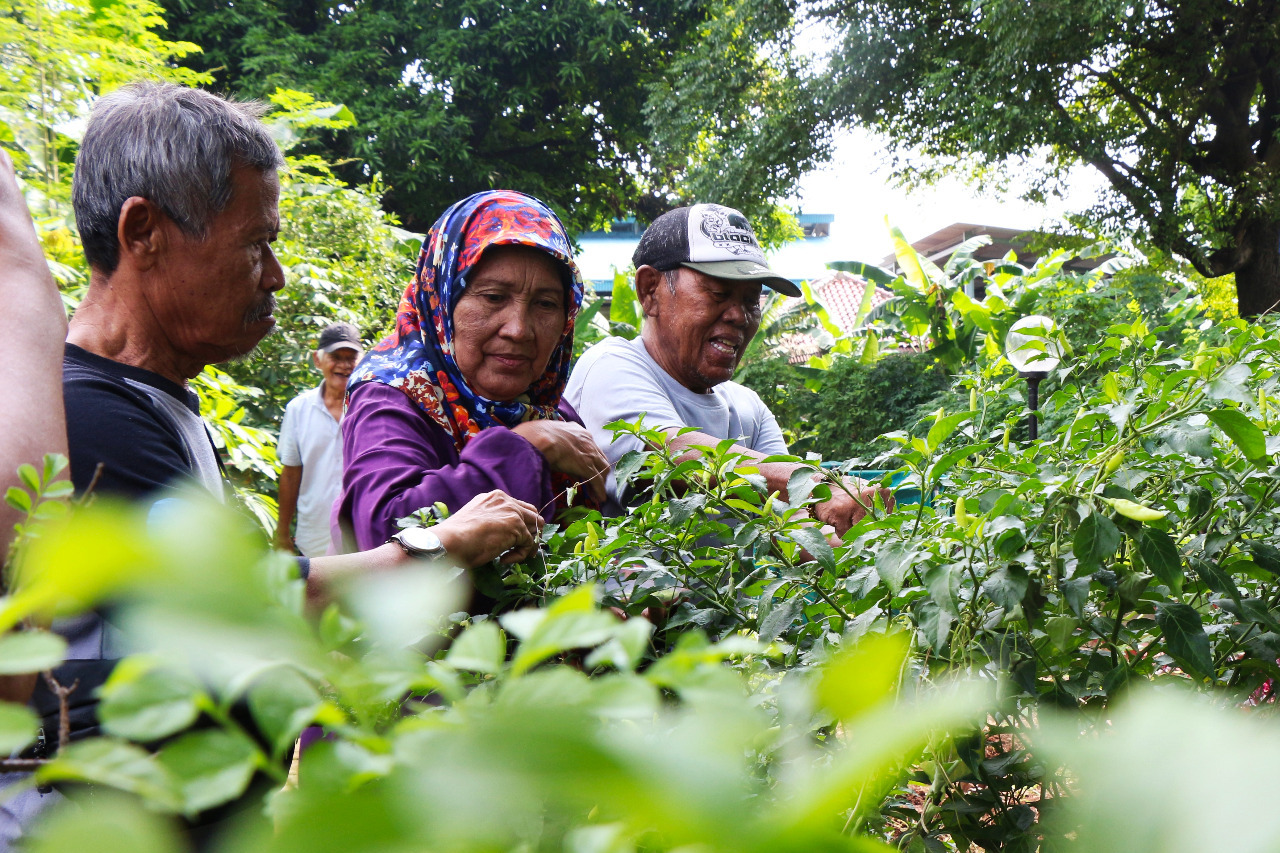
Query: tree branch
[1143,108]
[64,707]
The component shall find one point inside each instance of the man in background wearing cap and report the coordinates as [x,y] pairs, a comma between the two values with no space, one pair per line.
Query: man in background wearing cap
[699,274]
[310,448]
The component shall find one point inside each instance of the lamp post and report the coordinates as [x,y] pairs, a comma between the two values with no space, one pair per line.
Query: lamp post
[1032,348]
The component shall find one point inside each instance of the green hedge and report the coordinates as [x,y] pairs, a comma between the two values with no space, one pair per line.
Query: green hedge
[854,405]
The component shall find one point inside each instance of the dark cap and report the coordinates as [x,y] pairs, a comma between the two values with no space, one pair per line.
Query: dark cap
[711,239]
[339,336]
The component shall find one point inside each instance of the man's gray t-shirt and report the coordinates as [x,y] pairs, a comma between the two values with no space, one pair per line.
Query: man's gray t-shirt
[618,380]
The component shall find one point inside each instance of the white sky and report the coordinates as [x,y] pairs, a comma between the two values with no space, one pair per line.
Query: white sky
[855,188]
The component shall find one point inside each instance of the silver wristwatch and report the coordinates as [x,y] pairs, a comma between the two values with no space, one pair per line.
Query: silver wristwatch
[420,542]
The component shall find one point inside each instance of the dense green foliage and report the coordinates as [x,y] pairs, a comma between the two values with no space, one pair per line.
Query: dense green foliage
[858,402]
[1175,104]
[572,101]
[1131,544]
[518,748]
[852,403]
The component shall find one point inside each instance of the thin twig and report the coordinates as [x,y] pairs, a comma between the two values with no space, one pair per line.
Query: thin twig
[64,707]
[565,493]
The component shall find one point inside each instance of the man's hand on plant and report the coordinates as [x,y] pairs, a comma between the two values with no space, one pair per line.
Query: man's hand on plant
[847,508]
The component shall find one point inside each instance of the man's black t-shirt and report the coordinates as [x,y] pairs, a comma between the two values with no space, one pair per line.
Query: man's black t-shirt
[122,418]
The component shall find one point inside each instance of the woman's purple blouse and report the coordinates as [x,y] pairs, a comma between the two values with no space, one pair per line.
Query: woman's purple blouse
[395,461]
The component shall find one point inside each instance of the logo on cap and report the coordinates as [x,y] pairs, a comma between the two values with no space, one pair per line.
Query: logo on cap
[729,230]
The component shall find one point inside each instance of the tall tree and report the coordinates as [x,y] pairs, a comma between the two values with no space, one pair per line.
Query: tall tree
[564,99]
[1175,102]
[55,57]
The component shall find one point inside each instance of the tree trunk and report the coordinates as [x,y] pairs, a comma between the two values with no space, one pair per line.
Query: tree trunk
[1258,281]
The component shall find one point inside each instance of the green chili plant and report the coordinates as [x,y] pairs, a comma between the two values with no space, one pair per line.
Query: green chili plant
[1134,543]
[545,729]
[706,545]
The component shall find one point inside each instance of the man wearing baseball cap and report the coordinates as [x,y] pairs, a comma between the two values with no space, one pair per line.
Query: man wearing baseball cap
[310,448]
[699,275]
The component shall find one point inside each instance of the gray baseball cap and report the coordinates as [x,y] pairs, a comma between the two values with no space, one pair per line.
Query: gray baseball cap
[339,336]
[711,239]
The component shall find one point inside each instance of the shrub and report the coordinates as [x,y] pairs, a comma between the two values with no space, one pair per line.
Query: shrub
[501,742]
[858,403]
[1132,543]
[782,387]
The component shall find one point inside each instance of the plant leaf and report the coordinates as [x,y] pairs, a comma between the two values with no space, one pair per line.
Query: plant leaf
[1160,555]
[811,539]
[859,678]
[1243,432]
[480,648]
[283,702]
[1267,556]
[1096,539]
[18,725]
[210,767]
[30,651]
[892,562]
[18,499]
[571,622]
[780,616]
[1060,630]
[1007,586]
[1185,637]
[146,704]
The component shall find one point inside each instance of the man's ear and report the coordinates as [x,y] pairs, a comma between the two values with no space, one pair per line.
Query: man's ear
[648,280]
[140,231]
[315,359]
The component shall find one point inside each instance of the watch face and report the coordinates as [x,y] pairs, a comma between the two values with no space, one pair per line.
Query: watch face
[422,540]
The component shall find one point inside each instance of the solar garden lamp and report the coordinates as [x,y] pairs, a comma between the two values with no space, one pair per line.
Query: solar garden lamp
[1033,349]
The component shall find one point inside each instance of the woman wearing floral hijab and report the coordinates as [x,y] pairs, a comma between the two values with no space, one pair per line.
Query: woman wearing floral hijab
[464,397]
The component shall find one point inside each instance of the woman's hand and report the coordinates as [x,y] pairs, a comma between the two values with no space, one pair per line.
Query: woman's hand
[569,449]
[491,525]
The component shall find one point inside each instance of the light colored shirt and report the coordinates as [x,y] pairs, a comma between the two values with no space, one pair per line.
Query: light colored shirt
[311,437]
[617,380]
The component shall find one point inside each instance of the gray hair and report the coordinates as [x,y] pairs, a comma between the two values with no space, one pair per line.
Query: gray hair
[171,145]
[672,276]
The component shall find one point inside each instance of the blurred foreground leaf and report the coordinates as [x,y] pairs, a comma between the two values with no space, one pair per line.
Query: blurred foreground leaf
[106,822]
[1173,773]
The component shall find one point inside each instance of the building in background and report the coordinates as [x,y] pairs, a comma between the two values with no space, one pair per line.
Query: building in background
[939,246]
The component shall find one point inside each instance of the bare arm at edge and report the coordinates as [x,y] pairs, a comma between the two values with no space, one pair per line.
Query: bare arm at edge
[36,423]
[32,377]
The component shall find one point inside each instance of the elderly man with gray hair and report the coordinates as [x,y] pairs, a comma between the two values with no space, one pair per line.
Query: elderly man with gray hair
[175,195]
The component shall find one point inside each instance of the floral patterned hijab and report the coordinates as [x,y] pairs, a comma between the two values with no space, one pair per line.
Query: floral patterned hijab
[418,357]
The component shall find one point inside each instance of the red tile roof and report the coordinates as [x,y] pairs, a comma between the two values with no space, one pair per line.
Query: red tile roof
[841,294]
